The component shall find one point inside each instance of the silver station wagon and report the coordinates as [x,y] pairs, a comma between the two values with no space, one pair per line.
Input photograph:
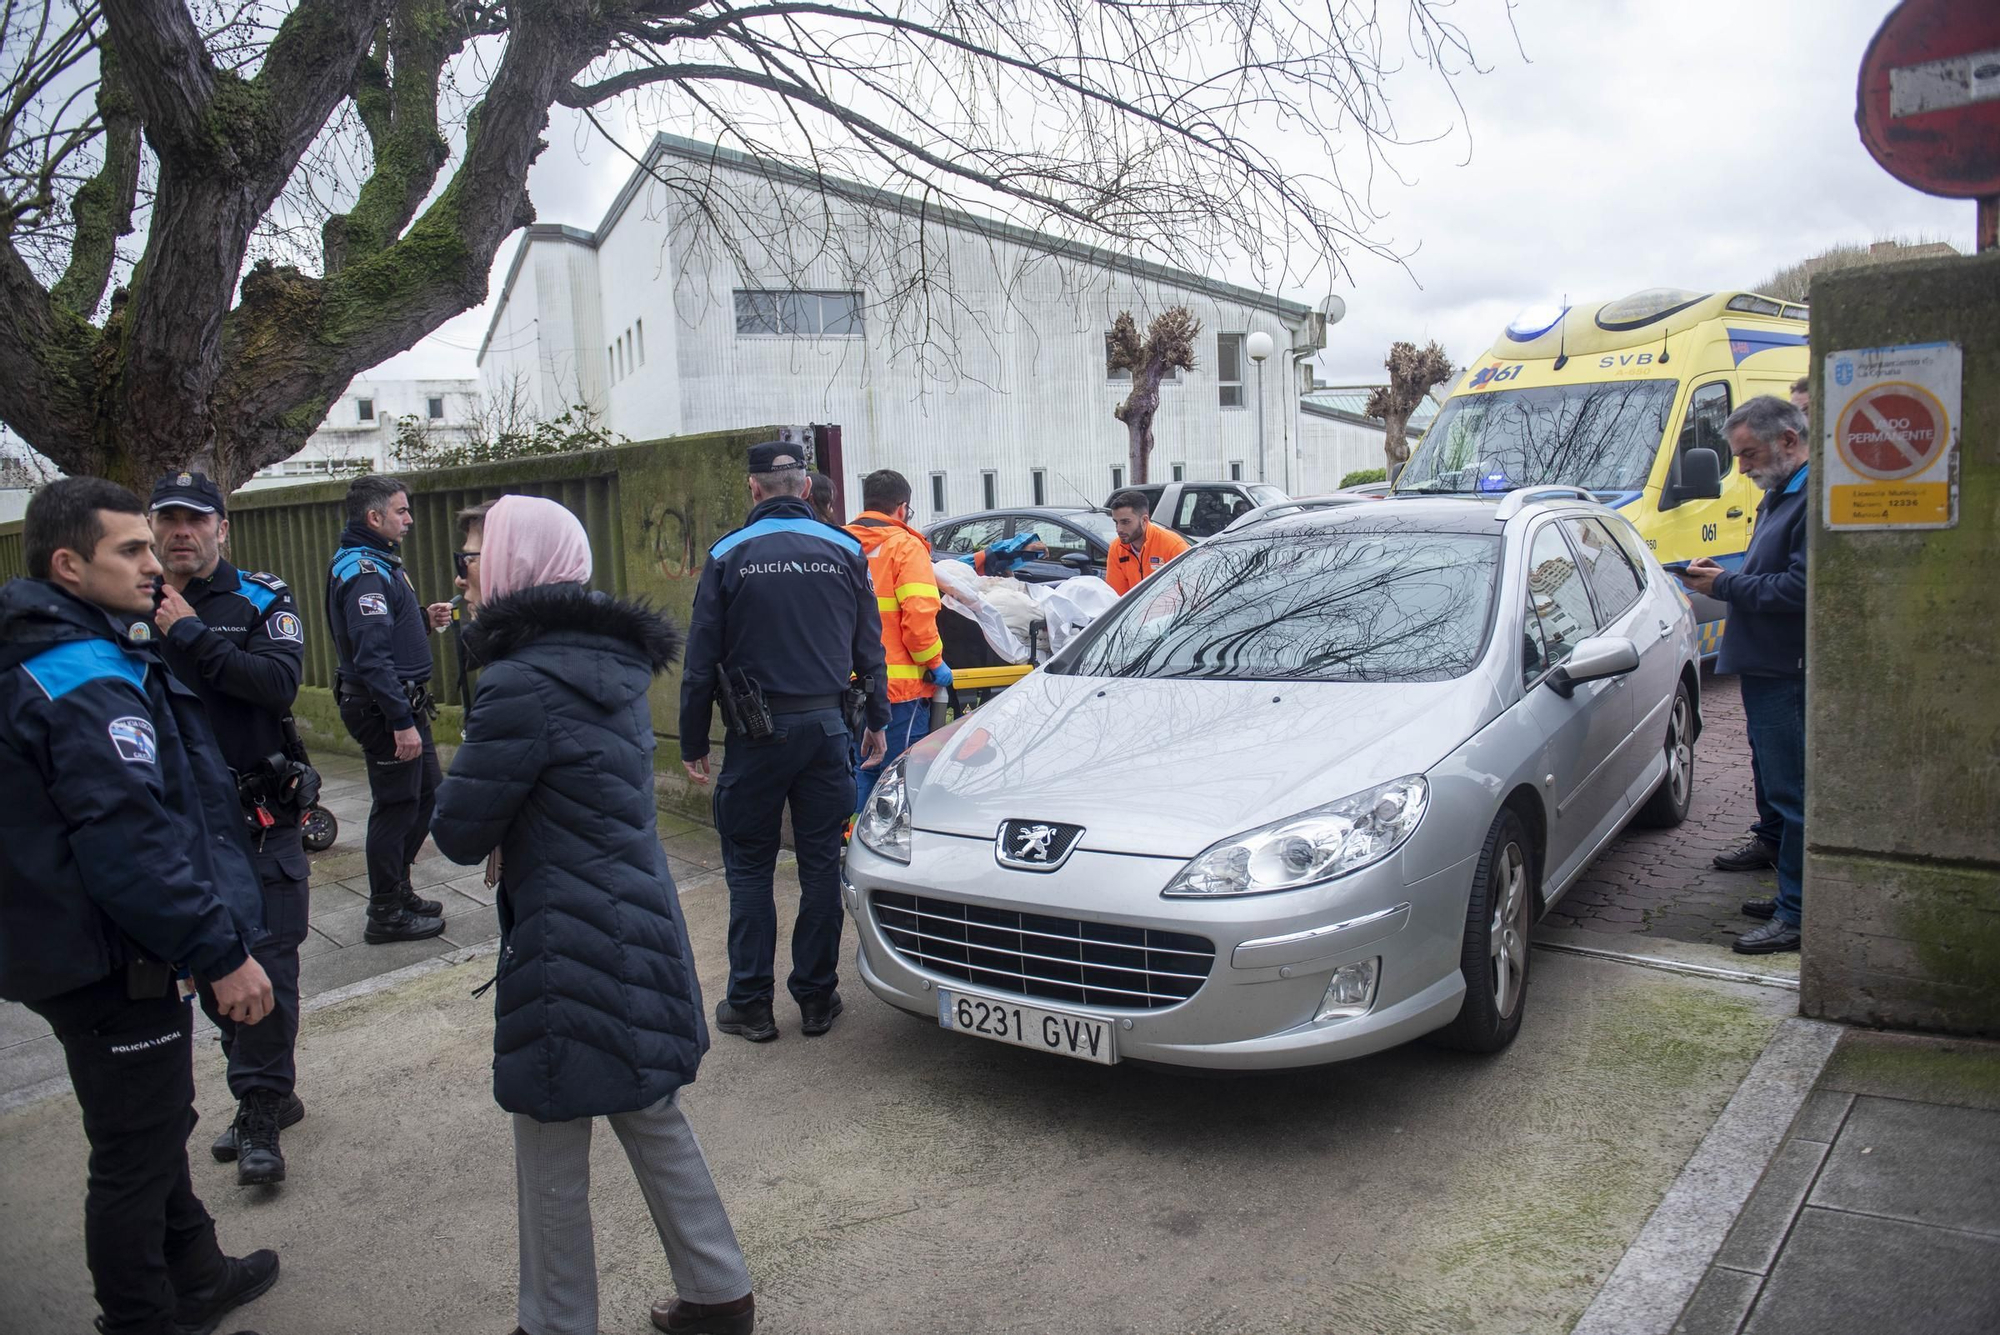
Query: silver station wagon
[1299,797]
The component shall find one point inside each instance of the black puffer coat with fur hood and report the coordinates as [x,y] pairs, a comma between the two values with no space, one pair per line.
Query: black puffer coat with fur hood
[597,1009]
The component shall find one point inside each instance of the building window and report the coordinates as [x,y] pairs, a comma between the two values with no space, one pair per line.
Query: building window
[1117,478]
[937,493]
[364,410]
[1172,376]
[1235,470]
[989,489]
[762,314]
[1229,369]
[1180,472]
[1041,480]
[639,328]
[434,408]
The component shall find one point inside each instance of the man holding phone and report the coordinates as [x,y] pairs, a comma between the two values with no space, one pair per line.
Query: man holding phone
[122,863]
[1765,644]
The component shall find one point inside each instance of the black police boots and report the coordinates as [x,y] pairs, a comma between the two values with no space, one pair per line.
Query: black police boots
[290,1112]
[390,921]
[413,902]
[242,1279]
[259,1161]
[753,1021]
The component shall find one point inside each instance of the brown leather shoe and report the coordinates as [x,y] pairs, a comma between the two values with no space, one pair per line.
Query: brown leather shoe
[731,1318]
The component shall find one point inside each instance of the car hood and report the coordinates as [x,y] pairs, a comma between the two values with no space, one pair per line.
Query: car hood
[1166,768]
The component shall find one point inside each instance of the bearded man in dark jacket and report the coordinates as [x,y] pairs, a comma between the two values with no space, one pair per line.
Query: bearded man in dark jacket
[597,1008]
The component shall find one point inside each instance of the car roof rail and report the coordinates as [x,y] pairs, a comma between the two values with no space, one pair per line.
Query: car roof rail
[1521,498]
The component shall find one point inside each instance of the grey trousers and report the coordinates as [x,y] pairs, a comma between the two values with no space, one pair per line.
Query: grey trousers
[558,1253]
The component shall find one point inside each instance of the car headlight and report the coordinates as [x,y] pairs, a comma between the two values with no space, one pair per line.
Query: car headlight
[1310,847]
[884,826]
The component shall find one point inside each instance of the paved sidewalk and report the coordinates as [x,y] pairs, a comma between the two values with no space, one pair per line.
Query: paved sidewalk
[1881,1209]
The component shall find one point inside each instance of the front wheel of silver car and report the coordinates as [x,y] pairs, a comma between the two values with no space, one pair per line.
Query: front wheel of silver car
[1668,806]
[1494,959]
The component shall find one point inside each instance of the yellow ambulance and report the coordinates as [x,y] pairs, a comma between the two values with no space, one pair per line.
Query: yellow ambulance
[1612,397]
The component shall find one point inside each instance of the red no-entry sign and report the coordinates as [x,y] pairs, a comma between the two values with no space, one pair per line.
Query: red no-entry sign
[1892,431]
[1929,102]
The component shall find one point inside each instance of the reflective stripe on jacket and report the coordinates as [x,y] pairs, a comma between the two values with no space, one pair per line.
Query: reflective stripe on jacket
[906,594]
[1126,569]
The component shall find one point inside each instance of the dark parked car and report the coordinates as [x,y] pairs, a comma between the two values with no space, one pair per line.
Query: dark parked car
[1079,540]
[1204,509]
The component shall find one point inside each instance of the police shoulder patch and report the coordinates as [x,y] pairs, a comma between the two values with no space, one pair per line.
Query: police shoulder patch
[285,626]
[374,605]
[269,581]
[133,738]
[367,567]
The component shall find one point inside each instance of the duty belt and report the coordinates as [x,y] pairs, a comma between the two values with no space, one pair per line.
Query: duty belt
[801,704]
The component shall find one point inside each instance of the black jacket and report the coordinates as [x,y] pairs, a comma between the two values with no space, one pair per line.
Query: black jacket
[597,1008]
[120,833]
[243,652]
[1765,635]
[787,601]
[380,632]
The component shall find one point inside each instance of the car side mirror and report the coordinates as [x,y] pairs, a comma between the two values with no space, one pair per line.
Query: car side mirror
[1701,476]
[1076,560]
[1594,658]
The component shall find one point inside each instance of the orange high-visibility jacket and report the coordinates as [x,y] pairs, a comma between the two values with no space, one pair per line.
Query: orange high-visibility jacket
[1127,568]
[906,592]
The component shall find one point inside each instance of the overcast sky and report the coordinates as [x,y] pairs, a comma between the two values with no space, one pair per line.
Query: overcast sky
[1620,144]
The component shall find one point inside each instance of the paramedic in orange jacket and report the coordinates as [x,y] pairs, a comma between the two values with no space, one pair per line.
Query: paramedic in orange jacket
[1142,545]
[906,593]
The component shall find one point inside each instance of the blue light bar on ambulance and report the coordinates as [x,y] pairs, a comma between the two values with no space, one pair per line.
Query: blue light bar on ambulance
[1535,321]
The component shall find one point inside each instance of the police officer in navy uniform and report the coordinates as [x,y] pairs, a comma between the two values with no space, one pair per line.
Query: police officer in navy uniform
[122,863]
[237,641]
[381,635]
[784,621]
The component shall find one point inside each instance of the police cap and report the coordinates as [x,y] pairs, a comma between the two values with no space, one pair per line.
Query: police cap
[189,491]
[775,455]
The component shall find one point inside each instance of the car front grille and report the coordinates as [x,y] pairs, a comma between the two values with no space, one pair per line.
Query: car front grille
[1055,959]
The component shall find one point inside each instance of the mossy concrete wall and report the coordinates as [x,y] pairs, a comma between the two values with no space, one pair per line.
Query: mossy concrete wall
[1902,882]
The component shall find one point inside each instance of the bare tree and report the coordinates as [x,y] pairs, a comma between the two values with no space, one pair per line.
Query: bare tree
[1169,346]
[215,213]
[1794,281]
[1413,373]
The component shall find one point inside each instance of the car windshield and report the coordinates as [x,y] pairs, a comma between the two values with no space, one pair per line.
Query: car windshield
[1602,437]
[1372,604]
[1096,523]
[1263,493]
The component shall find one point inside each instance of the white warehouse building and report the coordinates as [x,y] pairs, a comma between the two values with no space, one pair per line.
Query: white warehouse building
[722,290]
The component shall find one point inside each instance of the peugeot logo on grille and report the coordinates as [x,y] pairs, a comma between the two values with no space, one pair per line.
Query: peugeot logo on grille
[1030,845]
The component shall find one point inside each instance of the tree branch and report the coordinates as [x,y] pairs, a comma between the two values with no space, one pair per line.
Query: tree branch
[402,123]
[295,342]
[103,206]
[170,73]
[47,378]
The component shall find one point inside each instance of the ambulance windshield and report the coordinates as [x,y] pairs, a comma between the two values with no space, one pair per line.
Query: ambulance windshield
[1602,437]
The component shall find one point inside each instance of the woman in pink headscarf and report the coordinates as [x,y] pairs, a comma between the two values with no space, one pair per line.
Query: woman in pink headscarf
[597,1009]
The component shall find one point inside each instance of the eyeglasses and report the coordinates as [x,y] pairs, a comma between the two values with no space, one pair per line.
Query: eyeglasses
[462,563]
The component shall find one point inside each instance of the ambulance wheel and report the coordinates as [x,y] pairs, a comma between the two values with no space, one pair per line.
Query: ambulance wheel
[319,829]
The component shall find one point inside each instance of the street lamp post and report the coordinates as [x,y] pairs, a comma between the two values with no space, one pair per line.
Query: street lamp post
[1259,346]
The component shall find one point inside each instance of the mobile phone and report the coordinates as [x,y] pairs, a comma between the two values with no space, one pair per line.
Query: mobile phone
[1675,567]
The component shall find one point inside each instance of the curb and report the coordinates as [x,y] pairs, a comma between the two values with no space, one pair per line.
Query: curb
[1664,1265]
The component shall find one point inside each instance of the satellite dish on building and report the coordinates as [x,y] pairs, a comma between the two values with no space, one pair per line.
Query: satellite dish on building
[1333,309]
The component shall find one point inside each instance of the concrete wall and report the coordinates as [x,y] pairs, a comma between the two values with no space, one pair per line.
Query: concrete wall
[1902,883]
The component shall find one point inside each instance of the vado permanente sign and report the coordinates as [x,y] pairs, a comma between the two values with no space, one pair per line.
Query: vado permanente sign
[1891,448]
